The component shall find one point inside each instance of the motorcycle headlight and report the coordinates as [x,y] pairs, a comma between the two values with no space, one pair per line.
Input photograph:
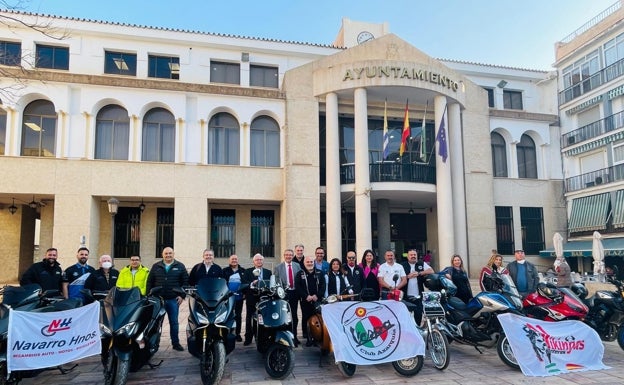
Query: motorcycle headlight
[128,329]
[105,331]
[202,319]
[221,314]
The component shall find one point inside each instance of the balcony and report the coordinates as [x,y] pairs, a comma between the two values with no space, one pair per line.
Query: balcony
[392,172]
[595,178]
[599,78]
[593,130]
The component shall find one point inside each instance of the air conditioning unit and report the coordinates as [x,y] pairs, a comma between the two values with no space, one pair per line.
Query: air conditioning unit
[598,180]
[571,140]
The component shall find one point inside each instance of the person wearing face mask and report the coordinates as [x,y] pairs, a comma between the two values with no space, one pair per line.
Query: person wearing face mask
[76,275]
[104,278]
[47,273]
[523,273]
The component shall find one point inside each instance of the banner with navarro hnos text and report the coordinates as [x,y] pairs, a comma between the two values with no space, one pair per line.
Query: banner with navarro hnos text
[367,333]
[545,348]
[43,340]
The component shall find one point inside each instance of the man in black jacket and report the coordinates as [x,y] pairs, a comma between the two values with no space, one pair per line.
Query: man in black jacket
[104,278]
[76,275]
[310,282]
[233,274]
[205,269]
[250,298]
[415,270]
[170,274]
[353,272]
[47,273]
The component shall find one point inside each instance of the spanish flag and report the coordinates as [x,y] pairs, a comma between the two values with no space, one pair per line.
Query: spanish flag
[406,131]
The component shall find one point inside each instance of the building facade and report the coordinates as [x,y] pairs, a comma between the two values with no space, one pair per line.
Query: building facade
[248,145]
[590,67]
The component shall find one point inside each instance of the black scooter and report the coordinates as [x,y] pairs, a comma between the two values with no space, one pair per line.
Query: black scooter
[130,327]
[28,298]
[272,325]
[211,328]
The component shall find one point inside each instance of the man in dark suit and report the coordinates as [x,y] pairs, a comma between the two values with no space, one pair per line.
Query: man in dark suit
[285,274]
[353,272]
[311,287]
[250,298]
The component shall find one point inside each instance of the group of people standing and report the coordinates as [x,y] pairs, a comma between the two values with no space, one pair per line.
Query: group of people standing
[307,279]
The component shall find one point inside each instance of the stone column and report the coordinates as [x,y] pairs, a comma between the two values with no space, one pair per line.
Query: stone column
[446,232]
[363,238]
[332,178]
[383,225]
[457,176]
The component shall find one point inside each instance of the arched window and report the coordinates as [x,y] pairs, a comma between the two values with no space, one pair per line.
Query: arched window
[265,142]
[112,130]
[158,136]
[527,161]
[499,155]
[39,129]
[223,139]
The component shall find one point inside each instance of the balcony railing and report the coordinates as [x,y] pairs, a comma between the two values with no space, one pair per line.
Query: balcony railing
[392,172]
[599,78]
[593,129]
[595,178]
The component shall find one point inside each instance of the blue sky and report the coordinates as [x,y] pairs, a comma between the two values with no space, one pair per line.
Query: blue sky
[517,33]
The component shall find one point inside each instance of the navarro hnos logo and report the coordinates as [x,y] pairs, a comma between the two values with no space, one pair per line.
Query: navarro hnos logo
[373,330]
[57,325]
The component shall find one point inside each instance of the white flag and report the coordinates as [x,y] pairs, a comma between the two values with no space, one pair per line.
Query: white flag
[549,348]
[43,340]
[367,333]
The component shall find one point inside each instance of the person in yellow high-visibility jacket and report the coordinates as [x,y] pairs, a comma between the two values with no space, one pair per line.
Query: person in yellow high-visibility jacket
[135,274]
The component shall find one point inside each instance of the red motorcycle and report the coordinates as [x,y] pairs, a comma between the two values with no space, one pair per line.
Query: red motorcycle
[550,303]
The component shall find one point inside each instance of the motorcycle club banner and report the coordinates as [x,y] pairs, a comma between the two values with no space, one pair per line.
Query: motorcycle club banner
[366,333]
[545,348]
[42,340]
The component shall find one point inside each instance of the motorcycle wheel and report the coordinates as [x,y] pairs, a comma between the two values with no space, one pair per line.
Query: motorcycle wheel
[347,369]
[505,353]
[110,368]
[212,363]
[439,349]
[123,368]
[620,336]
[409,366]
[280,361]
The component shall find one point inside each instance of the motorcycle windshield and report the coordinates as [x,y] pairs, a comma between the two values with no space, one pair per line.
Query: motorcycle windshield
[120,306]
[16,296]
[510,290]
[212,290]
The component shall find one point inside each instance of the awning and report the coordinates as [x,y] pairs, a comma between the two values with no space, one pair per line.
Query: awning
[589,213]
[618,209]
[613,247]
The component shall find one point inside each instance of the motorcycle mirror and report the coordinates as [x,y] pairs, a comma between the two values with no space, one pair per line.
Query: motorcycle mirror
[272,281]
[256,272]
[332,298]
[395,277]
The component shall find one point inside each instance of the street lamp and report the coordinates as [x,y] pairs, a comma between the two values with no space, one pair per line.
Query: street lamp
[113,206]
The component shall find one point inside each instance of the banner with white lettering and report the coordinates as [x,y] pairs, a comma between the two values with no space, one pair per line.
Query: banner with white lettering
[550,348]
[367,333]
[43,340]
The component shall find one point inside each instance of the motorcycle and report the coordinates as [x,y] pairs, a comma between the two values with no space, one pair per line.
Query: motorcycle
[211,328]
[476,323]
[550,303]
[318,330]
[606,310]
[130,328]
[28,298]
[433,333]
[272,325]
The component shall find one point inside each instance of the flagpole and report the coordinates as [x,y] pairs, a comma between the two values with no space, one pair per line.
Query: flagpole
[385,138]
[406,130]
[423,136]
